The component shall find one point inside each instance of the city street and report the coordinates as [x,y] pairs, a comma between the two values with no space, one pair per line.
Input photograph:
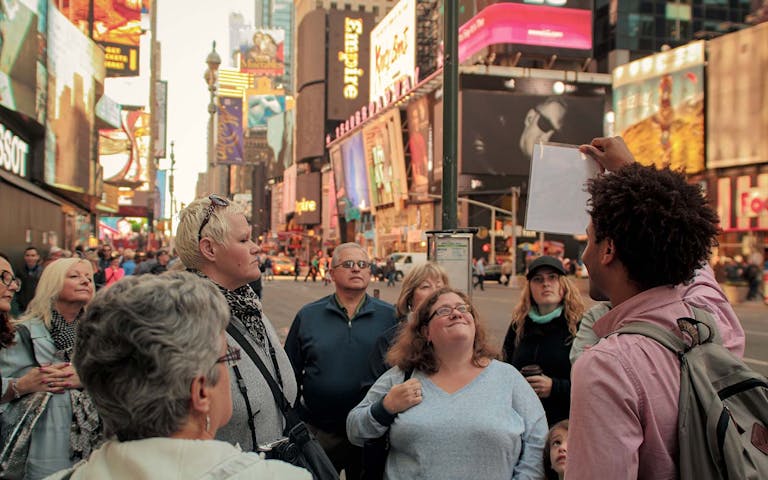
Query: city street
[283,297]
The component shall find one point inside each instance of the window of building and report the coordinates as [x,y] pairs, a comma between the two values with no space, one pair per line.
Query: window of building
[361,8]
[376,10]
[347,6]
[319,4]
[334,6]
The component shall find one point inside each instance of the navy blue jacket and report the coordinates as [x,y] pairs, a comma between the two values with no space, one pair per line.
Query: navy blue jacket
[329,354]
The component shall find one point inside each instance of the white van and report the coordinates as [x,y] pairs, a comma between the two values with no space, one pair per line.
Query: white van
[405,261]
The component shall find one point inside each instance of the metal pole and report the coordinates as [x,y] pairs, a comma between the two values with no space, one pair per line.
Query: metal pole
[450,114]
[492,235]
[170,184]
[513,277]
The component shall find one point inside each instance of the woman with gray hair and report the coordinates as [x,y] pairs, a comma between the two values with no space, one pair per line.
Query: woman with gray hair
[214,241]
[153,354]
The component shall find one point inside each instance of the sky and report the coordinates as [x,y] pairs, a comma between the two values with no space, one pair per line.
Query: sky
[186,31]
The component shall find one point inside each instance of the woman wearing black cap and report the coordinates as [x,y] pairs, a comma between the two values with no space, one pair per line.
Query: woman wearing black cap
[539,339]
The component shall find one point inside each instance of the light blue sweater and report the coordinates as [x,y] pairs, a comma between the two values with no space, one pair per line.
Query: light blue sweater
[492,428]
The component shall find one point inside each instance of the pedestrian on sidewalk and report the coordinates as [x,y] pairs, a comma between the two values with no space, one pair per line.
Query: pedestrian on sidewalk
[538,342]
[214,241]
[649,231]
[296,268]
[462,413]
[330,377]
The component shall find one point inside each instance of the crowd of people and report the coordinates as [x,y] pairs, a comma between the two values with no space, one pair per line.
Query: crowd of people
[171,374]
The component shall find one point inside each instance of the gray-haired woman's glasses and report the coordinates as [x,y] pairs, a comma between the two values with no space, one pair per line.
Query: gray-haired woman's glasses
[230,358]
[216,201]
[8,279]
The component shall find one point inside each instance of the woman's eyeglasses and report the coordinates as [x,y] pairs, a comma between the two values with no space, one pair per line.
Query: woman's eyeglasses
[446,310]
[230,358]
[8,279]
[351,263]
[216,201]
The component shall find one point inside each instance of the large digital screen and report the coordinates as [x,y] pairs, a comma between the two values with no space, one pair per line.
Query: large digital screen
[499,129]
[658,103]
[737,98]
[75,78]
[349,36]
[116,26]
[124,152]
[385,160]
[340,191]
[229,145]
[307,204]
[22,57]
[393,48]
[355,174]
[261,107]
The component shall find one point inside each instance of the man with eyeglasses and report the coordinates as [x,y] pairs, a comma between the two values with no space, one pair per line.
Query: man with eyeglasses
[329,343]
[541,122]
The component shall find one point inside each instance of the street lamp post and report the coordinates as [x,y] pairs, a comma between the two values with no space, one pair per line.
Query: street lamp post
[211,76]
[170,186]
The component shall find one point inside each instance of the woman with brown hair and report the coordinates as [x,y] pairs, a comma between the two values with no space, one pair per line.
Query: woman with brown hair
[539,339]
[9,285]
[436,429]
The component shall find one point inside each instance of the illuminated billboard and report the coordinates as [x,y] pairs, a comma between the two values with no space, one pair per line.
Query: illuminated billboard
[737,98]
[499,129]
[355,174]
[262,51]
[385,160]
[393,49]
[349,35]
[116,26]
[340,191]
[307,205]
[22,58]
[75,75]
[124,152]
[280,139]
[261,107]
[659,106]
[536,28]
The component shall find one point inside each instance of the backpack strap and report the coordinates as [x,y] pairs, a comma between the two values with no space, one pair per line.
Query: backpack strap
[662,336]
[249,411]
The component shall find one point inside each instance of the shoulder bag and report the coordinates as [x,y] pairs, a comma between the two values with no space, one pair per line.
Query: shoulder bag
[300,447]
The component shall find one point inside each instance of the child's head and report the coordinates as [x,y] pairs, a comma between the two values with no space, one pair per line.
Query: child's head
[555,450]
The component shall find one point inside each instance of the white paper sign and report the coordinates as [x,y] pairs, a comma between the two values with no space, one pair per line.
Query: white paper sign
[557,197]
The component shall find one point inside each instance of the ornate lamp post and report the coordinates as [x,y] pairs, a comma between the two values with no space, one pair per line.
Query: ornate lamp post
[211,76]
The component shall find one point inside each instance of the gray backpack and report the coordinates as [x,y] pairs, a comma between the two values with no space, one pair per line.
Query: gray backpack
[723,412]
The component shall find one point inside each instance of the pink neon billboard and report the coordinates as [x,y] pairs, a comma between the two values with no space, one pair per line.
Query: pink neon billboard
[534,25]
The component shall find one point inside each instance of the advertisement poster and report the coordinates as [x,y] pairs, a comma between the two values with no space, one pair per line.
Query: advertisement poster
[340,190]
[355,174]
[124,152]
[229,145]
[75,75]
[262,107]
[22,57]
[385,160]
[262,51]
[116,26]
[393,48]
[737,104]
[280,139]
[659,107]
[499,129]
[418,146]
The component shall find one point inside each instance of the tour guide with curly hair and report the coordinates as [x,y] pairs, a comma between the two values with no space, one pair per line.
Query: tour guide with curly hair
[650,231]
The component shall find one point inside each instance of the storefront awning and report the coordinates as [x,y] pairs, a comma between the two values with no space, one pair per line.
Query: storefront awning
[81,200]
[27,186]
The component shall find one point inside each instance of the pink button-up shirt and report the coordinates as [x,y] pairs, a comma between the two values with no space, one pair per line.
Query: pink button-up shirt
[624,396]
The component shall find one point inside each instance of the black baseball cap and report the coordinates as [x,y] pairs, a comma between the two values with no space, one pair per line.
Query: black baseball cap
[545,261]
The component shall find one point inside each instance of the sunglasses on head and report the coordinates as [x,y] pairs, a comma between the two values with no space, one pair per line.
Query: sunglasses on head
[216,201]
[544,124]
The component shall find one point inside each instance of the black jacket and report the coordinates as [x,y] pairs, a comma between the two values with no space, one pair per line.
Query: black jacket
[547,345]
